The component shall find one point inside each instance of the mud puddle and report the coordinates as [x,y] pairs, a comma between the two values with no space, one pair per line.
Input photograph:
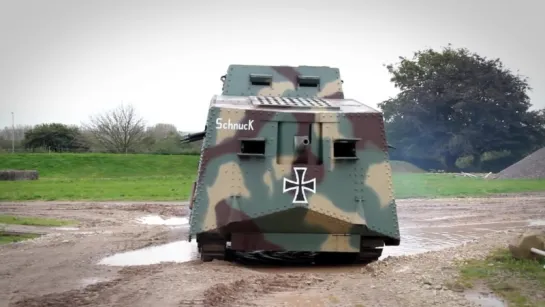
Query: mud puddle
[413,241]
[537,223]
[484,299]
[157,220]
[66,228]
[178,251]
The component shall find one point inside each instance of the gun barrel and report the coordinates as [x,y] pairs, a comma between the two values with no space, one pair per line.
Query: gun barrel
[193,137]
[300,143]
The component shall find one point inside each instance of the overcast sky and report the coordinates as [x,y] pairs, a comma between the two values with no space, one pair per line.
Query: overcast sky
[63,60]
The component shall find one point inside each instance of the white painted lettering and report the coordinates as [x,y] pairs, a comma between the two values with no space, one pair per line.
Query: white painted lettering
[234,126]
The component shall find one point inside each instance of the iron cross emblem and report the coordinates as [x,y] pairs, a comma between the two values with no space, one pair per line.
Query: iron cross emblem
[300,185]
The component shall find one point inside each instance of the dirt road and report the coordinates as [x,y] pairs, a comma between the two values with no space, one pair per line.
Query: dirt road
[62,267]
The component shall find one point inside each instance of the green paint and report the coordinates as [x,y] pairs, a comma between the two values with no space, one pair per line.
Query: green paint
[244,195]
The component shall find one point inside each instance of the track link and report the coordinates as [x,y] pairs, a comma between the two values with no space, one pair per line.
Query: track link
[214,247]
[212,250]
[369,254]
[365,256]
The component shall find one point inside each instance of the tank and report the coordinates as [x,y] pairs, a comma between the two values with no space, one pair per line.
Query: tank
[289,166]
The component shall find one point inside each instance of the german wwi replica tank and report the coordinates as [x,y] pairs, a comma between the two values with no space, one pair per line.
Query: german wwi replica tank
[290,167]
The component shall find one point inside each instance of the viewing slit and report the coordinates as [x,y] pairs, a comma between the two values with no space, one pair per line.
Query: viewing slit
[260,80]
[345,149]
[308,81]
[252,147]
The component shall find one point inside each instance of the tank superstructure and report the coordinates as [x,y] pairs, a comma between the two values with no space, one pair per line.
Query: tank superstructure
[289,165]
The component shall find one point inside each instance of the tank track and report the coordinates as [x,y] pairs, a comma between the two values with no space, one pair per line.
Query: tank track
[369,254]
[213,249]
[217,249]
[365,256]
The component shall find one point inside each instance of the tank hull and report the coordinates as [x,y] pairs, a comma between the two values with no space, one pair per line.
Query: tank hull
[308,176]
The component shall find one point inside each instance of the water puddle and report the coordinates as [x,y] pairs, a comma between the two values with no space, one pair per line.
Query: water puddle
[419,240]
[448,217]
[498,225]
[537,223]
[66,228]
[413,241]
[157,220]
[484,299]
[179,251]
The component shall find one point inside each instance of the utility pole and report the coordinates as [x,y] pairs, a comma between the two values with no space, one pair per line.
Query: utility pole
[12,133]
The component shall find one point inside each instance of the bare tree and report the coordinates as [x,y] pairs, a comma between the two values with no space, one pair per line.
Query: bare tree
[162,131]
[118,130]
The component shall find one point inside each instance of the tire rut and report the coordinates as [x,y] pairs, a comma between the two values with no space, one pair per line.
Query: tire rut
[243,291]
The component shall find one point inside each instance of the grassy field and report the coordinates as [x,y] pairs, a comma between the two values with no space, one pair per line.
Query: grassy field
[520,282]
[101,177]
[169,177]
[449,185]
[6,238]
[33,221]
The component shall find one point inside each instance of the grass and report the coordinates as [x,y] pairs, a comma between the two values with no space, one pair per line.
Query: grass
[449,185]
[123,188]
[169,177]
[33,221]
[99,166]
[520,282]
[6,238]
[101,177]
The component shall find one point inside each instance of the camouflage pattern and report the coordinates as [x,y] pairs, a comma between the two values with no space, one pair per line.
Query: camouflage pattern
[284,81]
[295,167]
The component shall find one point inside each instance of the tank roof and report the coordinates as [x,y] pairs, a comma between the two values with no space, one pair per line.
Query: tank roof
[291,104]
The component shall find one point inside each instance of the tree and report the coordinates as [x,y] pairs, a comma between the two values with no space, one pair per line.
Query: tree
[55,136]
[119,130]
[454,103]
[162,130]
[163,138]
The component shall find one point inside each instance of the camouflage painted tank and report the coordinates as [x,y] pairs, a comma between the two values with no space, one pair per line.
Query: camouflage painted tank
[289,165]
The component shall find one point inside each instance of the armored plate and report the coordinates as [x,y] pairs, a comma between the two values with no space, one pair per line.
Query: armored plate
[293,104]
[289,164]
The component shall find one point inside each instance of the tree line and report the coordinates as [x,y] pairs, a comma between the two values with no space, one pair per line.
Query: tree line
[459,110]
[456,110]
[119,130]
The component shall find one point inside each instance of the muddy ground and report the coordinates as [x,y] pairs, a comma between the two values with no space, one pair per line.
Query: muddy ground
[62,267]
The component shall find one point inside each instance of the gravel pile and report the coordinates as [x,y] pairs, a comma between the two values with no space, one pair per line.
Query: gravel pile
[531,167]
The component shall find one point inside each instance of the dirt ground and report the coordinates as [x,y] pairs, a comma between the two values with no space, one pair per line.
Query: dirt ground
[61,268]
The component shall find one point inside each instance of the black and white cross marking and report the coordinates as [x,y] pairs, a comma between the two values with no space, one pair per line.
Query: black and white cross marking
[300,185]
